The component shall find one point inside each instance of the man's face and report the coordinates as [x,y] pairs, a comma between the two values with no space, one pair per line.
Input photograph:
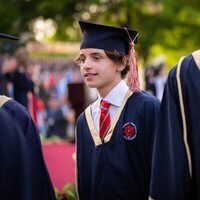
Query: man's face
[98,70]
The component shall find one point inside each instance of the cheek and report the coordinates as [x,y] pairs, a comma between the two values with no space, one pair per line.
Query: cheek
[81,70]
[110,70]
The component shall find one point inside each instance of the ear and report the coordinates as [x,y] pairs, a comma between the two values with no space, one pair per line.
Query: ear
[122,65]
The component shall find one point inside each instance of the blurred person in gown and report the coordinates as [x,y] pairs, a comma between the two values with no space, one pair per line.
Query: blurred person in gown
[22,83]
[41,186]
[176,156]
[13,157]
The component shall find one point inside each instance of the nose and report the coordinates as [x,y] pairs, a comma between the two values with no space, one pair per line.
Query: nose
[87,64]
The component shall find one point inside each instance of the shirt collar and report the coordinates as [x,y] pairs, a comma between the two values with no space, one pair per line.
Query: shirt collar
[116,95]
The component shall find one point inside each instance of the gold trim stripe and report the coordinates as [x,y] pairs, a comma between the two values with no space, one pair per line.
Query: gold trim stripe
[196,56]
[3,99]
[183,115]
[93,131]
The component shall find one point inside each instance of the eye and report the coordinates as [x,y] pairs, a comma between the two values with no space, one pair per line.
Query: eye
[97,58]
[80,60]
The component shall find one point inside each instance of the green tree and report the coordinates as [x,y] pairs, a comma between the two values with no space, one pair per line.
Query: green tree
[167,26]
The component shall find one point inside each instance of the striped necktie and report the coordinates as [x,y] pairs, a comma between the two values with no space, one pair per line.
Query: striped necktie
[104,124]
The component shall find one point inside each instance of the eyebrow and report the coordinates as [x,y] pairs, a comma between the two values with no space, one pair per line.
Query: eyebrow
[92,54]
[81,55]
[97,54]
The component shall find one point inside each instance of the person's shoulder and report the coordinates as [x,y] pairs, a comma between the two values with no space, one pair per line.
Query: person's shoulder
[193,55]
[8,129]
[143,96]
[196,54]
[193,59]
[16,109]
[188,61]
[86,113]
[172,74]
[16,106]
[8,126]
[81,117]
[144,102]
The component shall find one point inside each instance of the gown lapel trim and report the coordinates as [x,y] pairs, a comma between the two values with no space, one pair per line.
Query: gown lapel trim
[180,94]
[97,140]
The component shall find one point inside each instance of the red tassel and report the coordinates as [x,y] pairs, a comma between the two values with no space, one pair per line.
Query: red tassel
[133,77]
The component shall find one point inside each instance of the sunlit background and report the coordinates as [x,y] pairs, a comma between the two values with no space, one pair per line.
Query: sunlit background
[49,31]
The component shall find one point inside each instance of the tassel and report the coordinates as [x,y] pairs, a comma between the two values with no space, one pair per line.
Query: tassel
[133,77]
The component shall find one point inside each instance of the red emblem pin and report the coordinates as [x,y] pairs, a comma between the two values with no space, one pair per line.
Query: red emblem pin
[129,131]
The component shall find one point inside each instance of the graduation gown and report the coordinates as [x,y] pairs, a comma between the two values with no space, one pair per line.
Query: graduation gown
[176,159]
[118,167]
[14,182]
[41,186]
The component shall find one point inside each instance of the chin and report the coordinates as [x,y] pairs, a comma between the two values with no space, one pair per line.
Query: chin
[91,85]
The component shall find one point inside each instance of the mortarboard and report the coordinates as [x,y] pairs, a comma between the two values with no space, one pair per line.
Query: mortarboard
[107,37]
[2,35]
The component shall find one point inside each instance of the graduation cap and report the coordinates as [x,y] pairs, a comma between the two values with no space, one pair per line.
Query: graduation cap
[107,38]
[2,35]
[113,39]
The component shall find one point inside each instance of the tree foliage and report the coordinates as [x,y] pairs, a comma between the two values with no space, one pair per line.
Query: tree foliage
[167,25]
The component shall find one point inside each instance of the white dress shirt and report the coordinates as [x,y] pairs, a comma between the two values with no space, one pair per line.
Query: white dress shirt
[114,97]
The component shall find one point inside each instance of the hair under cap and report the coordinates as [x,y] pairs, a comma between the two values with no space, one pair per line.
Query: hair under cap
[107,38]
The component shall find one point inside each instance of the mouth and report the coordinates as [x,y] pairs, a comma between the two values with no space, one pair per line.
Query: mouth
[90,75]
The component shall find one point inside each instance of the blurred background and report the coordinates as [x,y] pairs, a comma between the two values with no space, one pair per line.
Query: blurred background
[49,38]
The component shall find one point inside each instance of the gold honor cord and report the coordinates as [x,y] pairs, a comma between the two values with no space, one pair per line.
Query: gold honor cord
[183,115]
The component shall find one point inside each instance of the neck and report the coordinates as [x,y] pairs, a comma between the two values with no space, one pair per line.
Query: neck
[104,91]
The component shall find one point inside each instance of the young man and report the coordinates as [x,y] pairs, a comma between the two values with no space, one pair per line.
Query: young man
[40,184]
[176,158]
[115,134]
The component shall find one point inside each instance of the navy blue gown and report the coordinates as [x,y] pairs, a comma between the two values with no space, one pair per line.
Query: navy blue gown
[41,186]
[176,157]
[118,167]
[14,175]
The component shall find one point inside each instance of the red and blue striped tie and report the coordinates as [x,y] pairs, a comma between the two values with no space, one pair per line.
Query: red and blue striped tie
[104,124]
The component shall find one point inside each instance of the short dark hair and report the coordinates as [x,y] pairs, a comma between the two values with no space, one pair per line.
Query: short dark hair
[118,59]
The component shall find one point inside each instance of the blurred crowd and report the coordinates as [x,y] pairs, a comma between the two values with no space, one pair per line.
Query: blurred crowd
[44,87]
[53,90]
